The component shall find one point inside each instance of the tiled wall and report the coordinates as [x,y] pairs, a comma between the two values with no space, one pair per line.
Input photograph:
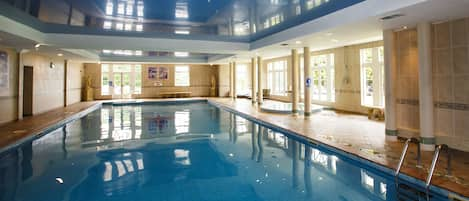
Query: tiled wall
[407,90]
[9,98]
[451,81]
[200,81]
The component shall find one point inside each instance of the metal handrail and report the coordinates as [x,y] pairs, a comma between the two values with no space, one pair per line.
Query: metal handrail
[403,155]
[433,166]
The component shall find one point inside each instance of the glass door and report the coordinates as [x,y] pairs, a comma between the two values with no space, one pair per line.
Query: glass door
[122,87]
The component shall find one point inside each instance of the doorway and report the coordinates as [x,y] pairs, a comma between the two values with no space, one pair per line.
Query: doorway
[122,88]
[28,91]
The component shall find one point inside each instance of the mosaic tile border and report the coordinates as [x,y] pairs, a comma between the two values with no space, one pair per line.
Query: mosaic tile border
[439,105]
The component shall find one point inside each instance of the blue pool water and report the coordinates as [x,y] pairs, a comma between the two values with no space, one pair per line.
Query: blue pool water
[172,152]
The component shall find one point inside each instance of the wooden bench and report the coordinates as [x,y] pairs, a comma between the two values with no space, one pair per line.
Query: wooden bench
[175,94]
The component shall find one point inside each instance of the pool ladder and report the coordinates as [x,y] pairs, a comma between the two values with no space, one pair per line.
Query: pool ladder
[430,174]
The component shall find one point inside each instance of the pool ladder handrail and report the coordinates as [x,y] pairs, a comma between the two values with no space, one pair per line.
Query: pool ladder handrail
[404,153]
[401,160]
[436,155]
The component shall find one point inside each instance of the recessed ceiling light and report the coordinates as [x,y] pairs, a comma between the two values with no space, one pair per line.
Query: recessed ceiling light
[183,32]
[181,54]
[60,54]
[298,42]
[404,27]
[37,45]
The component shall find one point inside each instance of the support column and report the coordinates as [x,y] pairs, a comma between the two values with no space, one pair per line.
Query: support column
[231,79]
[65,82]
[427,136]
[260,97]
[308,80]
[253,80]
[390,85]
[234,80]
[295,80]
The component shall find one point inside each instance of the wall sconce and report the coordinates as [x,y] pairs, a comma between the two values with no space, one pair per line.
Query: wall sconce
[51,65]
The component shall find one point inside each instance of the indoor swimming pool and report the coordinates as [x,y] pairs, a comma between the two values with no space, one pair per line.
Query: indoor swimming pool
[183,151]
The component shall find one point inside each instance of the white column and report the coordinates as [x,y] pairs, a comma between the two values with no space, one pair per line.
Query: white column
[231,79]
[427,136]
[295,76]
[234,80]
[260,96]
[307,80]
[390,85]
[253,80]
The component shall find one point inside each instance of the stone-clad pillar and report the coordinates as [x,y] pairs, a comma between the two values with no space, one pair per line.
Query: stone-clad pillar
[390,85]
[427,136]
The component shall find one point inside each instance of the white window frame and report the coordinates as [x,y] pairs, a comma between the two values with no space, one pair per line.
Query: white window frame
[181,70]
[377,67]
[328,68]
[110,73]
[275,70]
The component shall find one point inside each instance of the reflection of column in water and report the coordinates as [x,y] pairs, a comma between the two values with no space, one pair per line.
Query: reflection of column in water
[230,132]
[295,163]
[254,140]
[259,143]
[307,173]
[235,132]
[64,141]
[132,121]
[26,158]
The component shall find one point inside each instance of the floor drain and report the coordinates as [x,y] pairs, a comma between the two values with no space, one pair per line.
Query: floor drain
[19,131]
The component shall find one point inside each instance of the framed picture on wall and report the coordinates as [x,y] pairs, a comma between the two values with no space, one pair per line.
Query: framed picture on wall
[4,71]
[163,73]
[152,72]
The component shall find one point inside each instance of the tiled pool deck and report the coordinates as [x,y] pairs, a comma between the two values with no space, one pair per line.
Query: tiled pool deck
[351,133]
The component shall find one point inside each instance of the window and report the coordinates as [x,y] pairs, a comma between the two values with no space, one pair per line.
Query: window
[242,82]
[277,77]
[323,77]
[372,76]
[181,76]
[105,81]
[123,78]
[109,8]
[107,25]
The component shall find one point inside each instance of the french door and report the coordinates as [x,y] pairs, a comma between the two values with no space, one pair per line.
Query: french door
[122,86]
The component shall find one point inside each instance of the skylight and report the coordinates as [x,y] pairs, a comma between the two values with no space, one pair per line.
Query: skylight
[183,32]
[181,10]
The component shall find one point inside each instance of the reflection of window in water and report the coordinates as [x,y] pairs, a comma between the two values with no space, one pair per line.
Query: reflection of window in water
[319,157]
[123,123]
[383,190]
[241,125]
[181,122]
[106,119]
[367,181]
[123,167]
[278,138]
[182,157]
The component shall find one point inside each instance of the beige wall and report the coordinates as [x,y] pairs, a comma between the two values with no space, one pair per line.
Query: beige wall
[347,76]
[200,81]
[223,80]
[75,81]
[9,97]
[48,83]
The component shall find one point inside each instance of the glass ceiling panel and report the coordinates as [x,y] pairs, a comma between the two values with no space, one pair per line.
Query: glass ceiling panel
[233,18]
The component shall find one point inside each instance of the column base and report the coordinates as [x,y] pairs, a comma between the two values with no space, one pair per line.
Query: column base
[391,135]
[307,114]
[427,143]
[254,102]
